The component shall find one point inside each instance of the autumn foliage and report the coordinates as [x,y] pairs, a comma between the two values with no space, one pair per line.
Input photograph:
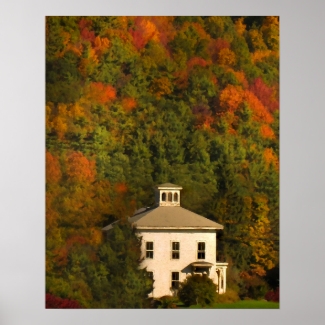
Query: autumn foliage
[100,93]
[53,171]
[265,94]
[271,158]
[230,98]
[267,132]
[273,295]
[196,61]
[260,112]
[129,103]
[79,168]
[60,303]
[144,31]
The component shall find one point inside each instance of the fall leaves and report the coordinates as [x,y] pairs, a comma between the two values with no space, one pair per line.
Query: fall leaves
[97,92]
[144,30]
[232,96]
[79,168]
[78,174]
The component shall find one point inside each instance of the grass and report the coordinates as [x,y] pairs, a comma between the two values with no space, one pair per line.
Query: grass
[243,304]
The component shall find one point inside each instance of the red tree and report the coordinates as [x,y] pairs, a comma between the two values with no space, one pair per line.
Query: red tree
[265,94]
[273,295]
[79,168]
[57,302]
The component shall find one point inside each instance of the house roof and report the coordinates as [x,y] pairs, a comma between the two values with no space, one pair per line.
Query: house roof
[110,226]
[169,185]
[171,217]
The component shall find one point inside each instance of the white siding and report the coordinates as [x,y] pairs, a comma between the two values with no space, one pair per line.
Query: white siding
[162,263]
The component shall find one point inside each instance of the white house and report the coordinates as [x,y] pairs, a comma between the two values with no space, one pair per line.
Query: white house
[176,242]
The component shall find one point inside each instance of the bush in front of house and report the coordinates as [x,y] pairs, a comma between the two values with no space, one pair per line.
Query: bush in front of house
[229,296]
[168,302]
[197,289]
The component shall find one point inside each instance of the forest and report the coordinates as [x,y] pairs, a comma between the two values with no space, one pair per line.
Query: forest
[132,102]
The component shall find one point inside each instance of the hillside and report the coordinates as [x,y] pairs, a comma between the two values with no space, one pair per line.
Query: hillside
[132,102]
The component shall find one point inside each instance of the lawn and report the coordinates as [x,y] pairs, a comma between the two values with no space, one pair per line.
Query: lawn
[243,304]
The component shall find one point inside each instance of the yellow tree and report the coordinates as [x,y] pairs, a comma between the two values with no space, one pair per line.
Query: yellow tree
[264,255]
[270,32]
[226,57]
[161,86]
[240,26]
[59,121]
[230,98]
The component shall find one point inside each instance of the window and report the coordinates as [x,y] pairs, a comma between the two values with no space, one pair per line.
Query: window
[175,280]
[170,196]
[175,250]
[163,197]
[201,251]
[175,197]
[149,249]
[150,275]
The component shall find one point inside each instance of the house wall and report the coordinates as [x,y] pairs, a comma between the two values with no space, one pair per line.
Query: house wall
[162,265]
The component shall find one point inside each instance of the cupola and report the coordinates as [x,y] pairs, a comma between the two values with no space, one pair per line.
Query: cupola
[167,194]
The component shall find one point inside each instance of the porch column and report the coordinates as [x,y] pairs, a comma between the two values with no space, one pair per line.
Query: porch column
[224,278]
[221,268]
[219,279]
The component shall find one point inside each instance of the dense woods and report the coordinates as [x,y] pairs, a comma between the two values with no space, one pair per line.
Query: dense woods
[132,102]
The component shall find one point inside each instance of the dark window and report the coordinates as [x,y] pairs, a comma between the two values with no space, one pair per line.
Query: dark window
[170,196]
[175,280]
[175,250]
[149,249]
[175,197]
[163,197]
[150,275]
[201,251]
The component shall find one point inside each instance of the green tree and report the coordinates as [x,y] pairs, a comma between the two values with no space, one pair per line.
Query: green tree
[197,289]
[129,285]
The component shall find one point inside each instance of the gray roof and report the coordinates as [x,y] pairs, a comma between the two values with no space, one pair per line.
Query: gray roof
[171,217]
[110,226]
[168,185]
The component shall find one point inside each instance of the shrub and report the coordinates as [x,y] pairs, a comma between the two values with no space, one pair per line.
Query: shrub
[254,287]
[197,289]
[57,302]
[229,296]
[273,295]
[234,281]
[168,302]
[151,303]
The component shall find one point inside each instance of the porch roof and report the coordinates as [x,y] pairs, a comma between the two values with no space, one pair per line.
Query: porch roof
[202,264]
